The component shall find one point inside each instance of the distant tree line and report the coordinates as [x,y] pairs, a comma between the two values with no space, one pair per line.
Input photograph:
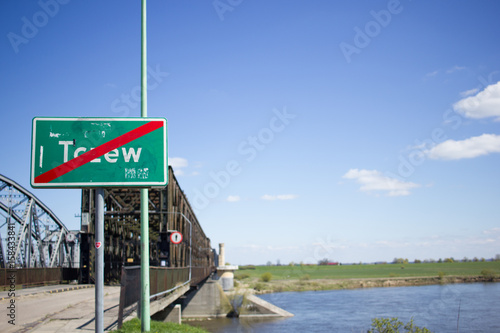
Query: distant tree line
[326,261]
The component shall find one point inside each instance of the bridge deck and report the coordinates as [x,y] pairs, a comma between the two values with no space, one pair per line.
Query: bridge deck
[68,308]
[51,309]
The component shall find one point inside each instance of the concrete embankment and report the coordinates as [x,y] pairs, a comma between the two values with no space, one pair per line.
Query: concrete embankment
[210,301]
[257,307]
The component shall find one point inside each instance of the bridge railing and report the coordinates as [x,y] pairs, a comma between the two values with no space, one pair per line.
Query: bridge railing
[199,274]
[162,280]
[31,277]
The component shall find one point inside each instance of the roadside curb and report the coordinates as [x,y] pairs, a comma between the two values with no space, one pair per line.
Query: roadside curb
[54,291]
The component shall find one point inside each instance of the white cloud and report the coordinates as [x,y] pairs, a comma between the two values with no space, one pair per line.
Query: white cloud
[483,105]
[469,148]
[279,197]
[373,180]
[269,247]
[431,74]
[492,231]
[233,198]
[454,69]
[286,196]
[178,163]
[448,71]
[469,92]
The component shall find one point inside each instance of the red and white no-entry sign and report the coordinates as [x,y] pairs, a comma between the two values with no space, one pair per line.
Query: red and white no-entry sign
[176,237]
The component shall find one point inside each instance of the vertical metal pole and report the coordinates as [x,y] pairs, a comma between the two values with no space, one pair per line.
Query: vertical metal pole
[145,319]
[190,247]
[99,258]
[144,65]
[28,254]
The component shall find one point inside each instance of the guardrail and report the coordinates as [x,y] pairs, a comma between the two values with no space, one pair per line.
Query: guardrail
[162,280]
[31,277]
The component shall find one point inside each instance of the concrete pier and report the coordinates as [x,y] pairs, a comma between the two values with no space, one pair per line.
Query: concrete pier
[171,314]
[204,302]
[225,272]
[210,301]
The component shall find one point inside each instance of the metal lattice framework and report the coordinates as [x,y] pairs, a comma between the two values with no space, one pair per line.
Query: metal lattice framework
[169,210]
[31,234]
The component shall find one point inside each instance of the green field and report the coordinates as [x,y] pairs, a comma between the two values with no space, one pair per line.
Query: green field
[369,271]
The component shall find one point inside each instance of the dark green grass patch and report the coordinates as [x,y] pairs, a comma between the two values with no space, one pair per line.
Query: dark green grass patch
[134,325]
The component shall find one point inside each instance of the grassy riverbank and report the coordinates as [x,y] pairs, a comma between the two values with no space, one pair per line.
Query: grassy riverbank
[314,277]
[134,325]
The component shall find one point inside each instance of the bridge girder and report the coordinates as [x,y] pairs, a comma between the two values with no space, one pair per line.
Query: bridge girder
[31,234]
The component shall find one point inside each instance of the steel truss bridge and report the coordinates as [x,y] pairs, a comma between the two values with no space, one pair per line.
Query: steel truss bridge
[40,249]
[169,210]
[31,234]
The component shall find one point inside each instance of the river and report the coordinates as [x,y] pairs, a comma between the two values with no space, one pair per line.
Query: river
[474,307]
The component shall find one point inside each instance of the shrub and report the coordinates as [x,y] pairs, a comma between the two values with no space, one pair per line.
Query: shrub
[241,276]
[266,277]
[488,274]
[259,286]
[393,325]
[441,275]
[241,268]
[305,277]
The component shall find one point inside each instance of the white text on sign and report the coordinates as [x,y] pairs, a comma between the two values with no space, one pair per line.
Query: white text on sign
[111,157]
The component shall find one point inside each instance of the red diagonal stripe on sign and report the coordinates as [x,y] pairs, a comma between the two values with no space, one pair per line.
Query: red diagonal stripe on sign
[98,151]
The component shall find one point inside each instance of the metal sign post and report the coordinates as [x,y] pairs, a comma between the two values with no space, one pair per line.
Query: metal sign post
[105,152]
[145,319]
[99,258]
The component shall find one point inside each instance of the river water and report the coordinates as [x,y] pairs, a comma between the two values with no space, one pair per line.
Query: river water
[474,307]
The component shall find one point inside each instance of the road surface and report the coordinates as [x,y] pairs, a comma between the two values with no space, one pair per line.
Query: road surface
[51,309]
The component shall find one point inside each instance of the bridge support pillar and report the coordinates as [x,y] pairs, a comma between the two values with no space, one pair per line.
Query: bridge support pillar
[204,302]
[171,314]
[225,272]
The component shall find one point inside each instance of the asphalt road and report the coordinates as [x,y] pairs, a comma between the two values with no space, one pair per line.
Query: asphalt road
[59,311]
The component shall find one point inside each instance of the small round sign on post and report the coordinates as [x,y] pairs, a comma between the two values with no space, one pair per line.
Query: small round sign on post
[176,237]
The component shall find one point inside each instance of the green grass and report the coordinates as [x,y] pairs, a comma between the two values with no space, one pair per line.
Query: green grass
[134,325]
[373,271]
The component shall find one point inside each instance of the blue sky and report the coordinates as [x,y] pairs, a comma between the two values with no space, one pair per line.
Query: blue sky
[299,130]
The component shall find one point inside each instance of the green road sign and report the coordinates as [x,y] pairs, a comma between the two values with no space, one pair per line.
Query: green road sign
[99,152]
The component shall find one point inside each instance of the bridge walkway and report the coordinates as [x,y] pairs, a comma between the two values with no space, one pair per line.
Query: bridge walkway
[60,308]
